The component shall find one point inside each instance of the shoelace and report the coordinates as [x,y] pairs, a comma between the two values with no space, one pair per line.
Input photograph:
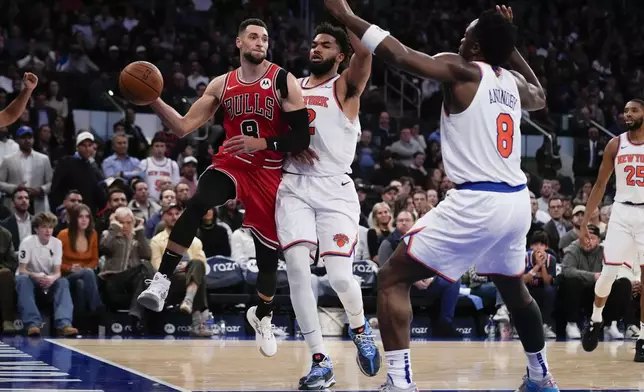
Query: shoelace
[156,285]
[365,343]
[265,329]
[318,369]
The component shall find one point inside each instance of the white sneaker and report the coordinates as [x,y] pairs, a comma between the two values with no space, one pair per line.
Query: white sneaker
[548,332]
[632,332]
[572,331]
[154,296]
[263,332]
[502,315]
[612,332]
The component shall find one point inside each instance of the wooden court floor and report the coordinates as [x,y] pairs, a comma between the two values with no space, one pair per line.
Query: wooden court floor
[233,365]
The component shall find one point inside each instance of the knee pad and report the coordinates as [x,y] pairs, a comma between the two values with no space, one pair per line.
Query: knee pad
[297,267]
[606,279]
[340,273]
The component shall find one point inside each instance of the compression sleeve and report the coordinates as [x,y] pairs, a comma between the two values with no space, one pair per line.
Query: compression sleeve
[297,139]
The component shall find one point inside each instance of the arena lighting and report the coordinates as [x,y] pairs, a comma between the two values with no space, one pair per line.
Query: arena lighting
[110,92]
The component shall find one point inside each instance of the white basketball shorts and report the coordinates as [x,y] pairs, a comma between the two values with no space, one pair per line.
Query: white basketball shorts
[486,229]
[324,210]
[624,235]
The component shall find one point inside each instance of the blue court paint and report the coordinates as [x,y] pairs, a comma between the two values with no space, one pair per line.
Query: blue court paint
[65,369]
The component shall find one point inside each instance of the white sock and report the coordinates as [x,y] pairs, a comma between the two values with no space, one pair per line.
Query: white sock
[596,317]
[399,367]
[302,298]
[641,331]
[537,365]
[340,272]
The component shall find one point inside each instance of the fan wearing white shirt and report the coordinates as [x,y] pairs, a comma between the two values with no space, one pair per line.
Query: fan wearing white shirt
[7,146]
[157,167]
[40,257]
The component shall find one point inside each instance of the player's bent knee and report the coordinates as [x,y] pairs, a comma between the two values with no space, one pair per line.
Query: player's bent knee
[606,279]
[339,285]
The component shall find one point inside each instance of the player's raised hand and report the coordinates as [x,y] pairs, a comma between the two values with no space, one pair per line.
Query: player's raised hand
[243,144]
[30,80]
[505,11]
[338,7]
[307,156]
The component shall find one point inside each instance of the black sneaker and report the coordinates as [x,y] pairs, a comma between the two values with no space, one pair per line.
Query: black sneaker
[639,351]
[321,375]
[590,336]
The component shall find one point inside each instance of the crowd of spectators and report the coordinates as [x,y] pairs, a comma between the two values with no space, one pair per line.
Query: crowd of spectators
[85,220]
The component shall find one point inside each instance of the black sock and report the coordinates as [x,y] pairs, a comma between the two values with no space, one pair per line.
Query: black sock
[169,262]
[264,308]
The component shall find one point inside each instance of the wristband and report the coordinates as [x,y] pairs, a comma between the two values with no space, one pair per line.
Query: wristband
[373,37]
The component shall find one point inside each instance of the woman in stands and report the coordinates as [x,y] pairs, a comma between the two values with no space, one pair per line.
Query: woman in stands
[381,227]
[80,258]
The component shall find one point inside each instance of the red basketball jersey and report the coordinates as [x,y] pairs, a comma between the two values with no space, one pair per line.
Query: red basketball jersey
[254,109]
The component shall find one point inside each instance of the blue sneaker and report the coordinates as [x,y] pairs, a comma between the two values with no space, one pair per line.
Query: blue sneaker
[368,357]
[321,375]
[548,384]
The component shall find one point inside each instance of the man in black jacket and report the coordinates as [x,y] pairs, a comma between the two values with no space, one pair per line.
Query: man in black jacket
[8,266]
[78,172]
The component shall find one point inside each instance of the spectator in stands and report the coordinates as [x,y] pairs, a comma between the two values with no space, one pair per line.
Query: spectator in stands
[573,234]
[28,170]
[19,223]
[8,267]
[168,196]
[115,200]
[78,61]
[231,215]
[77,172]
[546,192]
[405,147]
[582,265]
[588,154]
[8,147]
[404,203]
[213,236]
[120,164]
[80,257]
[417,169]
[40,258]
[595,220]
[189,284]
[141,205]
[242,247]
[72,198]
[126,265]
[557,227]
[434,180]
[41,114]
[381,228]
[404,221]
[483,287]
[540,271]
[57,100]
[421,203]
[434,157]
[189,174]
[605,212]
[137,143]
[535,225]
[381,136]
[389,169]
[418,137]
[157,166]
[432,197]
[183,193]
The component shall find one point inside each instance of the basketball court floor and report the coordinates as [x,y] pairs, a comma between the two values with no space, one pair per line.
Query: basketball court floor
[122,364]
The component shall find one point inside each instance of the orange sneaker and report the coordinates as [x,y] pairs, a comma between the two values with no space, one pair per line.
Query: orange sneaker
[33,331]
[68,331]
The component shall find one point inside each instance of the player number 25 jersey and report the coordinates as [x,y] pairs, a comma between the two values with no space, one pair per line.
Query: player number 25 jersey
[629,171]
[333,135]
[483,143]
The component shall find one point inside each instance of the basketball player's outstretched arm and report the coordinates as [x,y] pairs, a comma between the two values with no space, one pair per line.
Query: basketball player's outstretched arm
[15,109]
[200,112]
[400,56]
[597,194]
[532,95]
[354,79]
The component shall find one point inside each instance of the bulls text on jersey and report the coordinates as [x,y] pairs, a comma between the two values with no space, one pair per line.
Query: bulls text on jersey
[244,104]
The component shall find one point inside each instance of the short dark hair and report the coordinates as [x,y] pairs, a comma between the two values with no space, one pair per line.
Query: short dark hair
[115,190]
[251,22]
[540,237]
[16,191]
[496,37]
[637,100]
[555,197]
[340,35]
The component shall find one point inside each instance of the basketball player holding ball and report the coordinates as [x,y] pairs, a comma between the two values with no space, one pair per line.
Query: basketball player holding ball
[261,101]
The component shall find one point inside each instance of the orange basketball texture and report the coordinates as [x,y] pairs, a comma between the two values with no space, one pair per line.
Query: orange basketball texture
[141,83]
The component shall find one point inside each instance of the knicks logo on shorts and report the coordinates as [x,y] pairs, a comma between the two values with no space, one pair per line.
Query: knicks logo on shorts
[341,240]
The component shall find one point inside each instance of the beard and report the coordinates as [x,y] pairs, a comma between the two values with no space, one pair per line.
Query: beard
[254,60]
[635,125]
[321,68]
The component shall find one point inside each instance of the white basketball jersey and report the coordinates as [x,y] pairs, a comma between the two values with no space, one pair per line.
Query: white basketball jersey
[333,135]
[629,179]
[483,143]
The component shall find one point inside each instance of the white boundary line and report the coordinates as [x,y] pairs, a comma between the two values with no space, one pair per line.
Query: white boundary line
[127,369]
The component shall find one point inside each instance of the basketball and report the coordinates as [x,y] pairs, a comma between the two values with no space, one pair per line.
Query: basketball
[141,83]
